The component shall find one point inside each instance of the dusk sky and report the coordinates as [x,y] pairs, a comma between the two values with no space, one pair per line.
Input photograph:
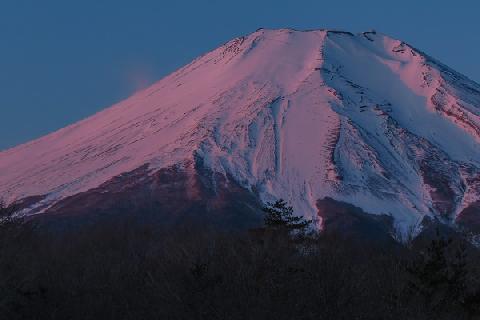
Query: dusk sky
[62,61]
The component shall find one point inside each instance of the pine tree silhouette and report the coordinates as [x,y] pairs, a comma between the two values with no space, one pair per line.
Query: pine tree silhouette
[279,215]
[439,276]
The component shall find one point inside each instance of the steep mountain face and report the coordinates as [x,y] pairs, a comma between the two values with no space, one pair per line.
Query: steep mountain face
[363,119]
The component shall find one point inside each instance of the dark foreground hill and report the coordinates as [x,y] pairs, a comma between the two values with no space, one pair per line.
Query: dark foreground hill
[127,269]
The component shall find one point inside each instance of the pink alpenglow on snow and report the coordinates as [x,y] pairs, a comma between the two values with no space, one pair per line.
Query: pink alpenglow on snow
[364,119]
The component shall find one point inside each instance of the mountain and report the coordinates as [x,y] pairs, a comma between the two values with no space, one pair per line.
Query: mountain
[325,119]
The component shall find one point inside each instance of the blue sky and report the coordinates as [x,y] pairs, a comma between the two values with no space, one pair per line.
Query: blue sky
[61,61]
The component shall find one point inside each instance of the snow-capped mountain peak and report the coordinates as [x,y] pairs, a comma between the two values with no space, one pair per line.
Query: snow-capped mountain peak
[300,115]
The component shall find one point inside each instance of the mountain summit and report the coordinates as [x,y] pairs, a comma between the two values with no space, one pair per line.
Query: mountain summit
[307,116]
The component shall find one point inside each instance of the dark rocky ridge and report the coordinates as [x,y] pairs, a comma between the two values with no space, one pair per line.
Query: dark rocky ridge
[170,196]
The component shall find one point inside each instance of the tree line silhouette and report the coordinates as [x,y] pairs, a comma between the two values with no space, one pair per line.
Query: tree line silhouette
[125,269]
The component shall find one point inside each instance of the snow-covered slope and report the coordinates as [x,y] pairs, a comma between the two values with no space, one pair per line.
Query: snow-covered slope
[301,115]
